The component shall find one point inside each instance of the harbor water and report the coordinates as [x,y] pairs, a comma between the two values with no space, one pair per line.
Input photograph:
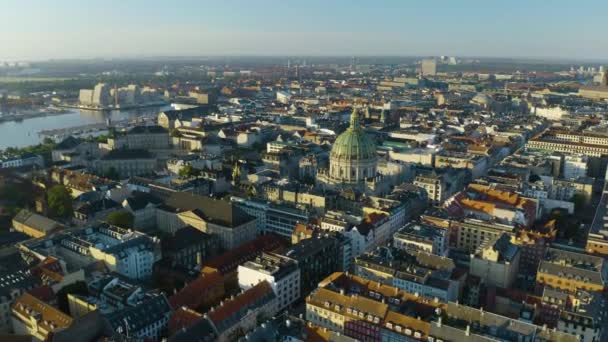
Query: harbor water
[25,132]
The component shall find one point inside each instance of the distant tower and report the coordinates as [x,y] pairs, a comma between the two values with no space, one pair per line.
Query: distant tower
[353,64]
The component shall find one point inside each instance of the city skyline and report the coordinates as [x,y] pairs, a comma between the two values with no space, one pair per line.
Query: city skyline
[567,31]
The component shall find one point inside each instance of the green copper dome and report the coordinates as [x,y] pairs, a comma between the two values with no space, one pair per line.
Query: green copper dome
[354,144]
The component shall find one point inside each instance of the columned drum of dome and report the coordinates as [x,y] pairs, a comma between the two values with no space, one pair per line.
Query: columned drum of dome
[353,155]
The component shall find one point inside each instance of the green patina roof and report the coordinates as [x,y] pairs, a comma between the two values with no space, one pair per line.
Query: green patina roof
[354,143]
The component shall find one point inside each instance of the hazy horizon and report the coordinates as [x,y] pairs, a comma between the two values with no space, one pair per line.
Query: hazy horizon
[67,29]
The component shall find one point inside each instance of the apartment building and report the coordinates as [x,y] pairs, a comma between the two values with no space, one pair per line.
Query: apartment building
[280,272]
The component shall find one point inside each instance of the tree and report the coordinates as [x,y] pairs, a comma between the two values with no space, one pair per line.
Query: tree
[122,219]
[103,138]
[59,201]
[188,171]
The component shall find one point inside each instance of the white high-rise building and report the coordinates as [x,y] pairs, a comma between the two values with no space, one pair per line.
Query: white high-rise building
[428,67]
[101,94]
[280,272]
[575,166]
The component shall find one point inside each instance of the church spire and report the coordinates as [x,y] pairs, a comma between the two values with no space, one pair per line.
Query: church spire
[355,120]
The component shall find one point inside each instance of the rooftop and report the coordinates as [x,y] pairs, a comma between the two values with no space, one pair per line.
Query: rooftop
[48,318]
[272,264]
[220,212]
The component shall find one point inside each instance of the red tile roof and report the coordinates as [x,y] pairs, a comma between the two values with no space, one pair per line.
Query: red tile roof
[43,293]
[182,318]
[193,295]
[230,260]
[245,299]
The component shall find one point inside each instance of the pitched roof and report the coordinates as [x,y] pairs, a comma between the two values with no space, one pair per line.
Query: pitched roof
[230,312]
[68,143]
[187,114]
[201,331]
[121,154]
[211,210]
[93,207]
[184,238]
[148,130]
[35,221]
[229,261]
[10,280]
[343,304]
[50,318]
[142,315]
[181,318]
[194,294]
[90,327]
[139,200]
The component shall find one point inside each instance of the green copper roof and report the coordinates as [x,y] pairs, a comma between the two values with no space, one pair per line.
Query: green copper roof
[354,143]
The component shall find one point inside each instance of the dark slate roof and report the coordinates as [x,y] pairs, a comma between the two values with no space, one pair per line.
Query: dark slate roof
[90,208]
[127,154]
[90,327]
[68,143]
[140,200]
[188,114]
[143,241]
[307,247]
[10,281]
[200,331]
[141,315]
[211,210]
[183,238]
[11,260]
[507,250]
[232,311]
[148,130]
[12,238]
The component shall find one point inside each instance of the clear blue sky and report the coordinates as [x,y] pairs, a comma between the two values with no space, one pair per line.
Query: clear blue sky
[40,29]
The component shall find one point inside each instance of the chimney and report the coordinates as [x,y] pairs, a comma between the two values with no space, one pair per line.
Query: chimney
[439,322]
[468,331]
